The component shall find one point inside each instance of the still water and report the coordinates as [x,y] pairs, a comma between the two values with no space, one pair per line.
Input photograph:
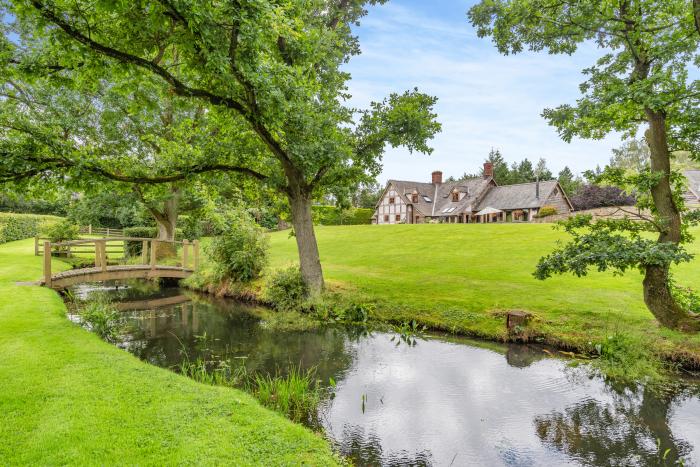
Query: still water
[443,401]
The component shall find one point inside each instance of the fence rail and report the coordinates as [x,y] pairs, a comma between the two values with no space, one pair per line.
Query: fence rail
[104,231]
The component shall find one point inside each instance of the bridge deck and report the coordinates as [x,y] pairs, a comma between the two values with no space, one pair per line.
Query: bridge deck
[136,271]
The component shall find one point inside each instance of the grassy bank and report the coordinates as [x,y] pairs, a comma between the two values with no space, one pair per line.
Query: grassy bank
[462,277]
[66,397]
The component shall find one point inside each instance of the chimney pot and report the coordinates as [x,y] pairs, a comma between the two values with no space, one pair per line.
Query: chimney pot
[537,189]
[488,170]
[437,177]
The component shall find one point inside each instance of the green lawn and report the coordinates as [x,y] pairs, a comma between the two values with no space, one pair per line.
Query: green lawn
[66,397]
[457,277]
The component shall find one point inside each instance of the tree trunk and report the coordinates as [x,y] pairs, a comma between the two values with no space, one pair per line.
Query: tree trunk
[167,222]
[657,292]
[309,259]
[696,13]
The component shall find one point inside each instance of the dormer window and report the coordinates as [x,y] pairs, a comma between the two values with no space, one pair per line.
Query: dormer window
[455,196]
[392,200]
[414,198]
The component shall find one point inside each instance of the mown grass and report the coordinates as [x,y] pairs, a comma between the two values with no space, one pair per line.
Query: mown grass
[67,397]
[463,277]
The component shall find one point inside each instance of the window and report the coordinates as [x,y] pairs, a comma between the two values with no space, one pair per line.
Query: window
[455,196]
[447,210]
[427,199]
[386,217]
[398,217]
[555,192]
[414,198]
[392,200]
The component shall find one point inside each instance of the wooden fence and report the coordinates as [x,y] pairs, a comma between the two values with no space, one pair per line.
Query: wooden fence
[103,231]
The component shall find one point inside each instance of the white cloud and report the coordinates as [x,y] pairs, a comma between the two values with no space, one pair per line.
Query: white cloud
[485,99]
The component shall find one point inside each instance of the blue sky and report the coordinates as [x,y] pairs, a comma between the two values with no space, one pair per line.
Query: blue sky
[485,99]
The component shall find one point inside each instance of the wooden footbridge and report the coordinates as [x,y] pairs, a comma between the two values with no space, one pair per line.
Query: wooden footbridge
[116,250]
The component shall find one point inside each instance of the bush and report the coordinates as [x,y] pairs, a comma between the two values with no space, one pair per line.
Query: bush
[546,211]
[240,254]
[20,226]
[192,227]
[286,290]
[62,231]
[331,215]
[597,196]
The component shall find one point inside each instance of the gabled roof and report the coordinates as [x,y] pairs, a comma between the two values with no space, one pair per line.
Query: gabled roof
[520,196]
[440,195]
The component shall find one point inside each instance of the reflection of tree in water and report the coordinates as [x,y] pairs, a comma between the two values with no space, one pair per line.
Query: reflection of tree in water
[165,336]
[366,450]
[623,433]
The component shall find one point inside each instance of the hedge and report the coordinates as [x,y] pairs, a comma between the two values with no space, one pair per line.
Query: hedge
[15,226]
[331,215]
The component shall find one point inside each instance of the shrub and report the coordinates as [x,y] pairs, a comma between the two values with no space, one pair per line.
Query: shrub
[62,231]
[286,290]
[20,226]
[240,254]
[192,227]
[686,297]
[331,215]
[546,211]
[597,196]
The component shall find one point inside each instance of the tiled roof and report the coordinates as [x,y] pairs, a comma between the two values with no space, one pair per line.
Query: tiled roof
[440,195]
[521,196]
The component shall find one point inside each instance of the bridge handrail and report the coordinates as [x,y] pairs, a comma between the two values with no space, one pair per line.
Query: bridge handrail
[83,241]
[101,252]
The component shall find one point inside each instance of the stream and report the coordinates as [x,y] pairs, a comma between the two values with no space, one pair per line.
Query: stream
[442,400]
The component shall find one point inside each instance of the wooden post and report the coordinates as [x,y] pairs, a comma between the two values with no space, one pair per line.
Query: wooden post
[196,254]
[103,255]
[144,252]
[47,264]
[90,229]
[108,231]
[98,256]
[154,247]
[185,247]
[36,246]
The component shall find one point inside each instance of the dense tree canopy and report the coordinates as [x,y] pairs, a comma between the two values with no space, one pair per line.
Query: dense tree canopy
[268,73]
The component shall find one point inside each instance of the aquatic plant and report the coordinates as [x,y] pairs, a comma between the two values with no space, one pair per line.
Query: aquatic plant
[219,373]
[623,357]
[296,395]
[101,317]
[409,332]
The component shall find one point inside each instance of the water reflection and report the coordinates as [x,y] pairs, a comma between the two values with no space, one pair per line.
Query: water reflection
[445,401]
[633,429]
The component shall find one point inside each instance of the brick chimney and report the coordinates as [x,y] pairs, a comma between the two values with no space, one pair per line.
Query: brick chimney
[488,170]
[437,177]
